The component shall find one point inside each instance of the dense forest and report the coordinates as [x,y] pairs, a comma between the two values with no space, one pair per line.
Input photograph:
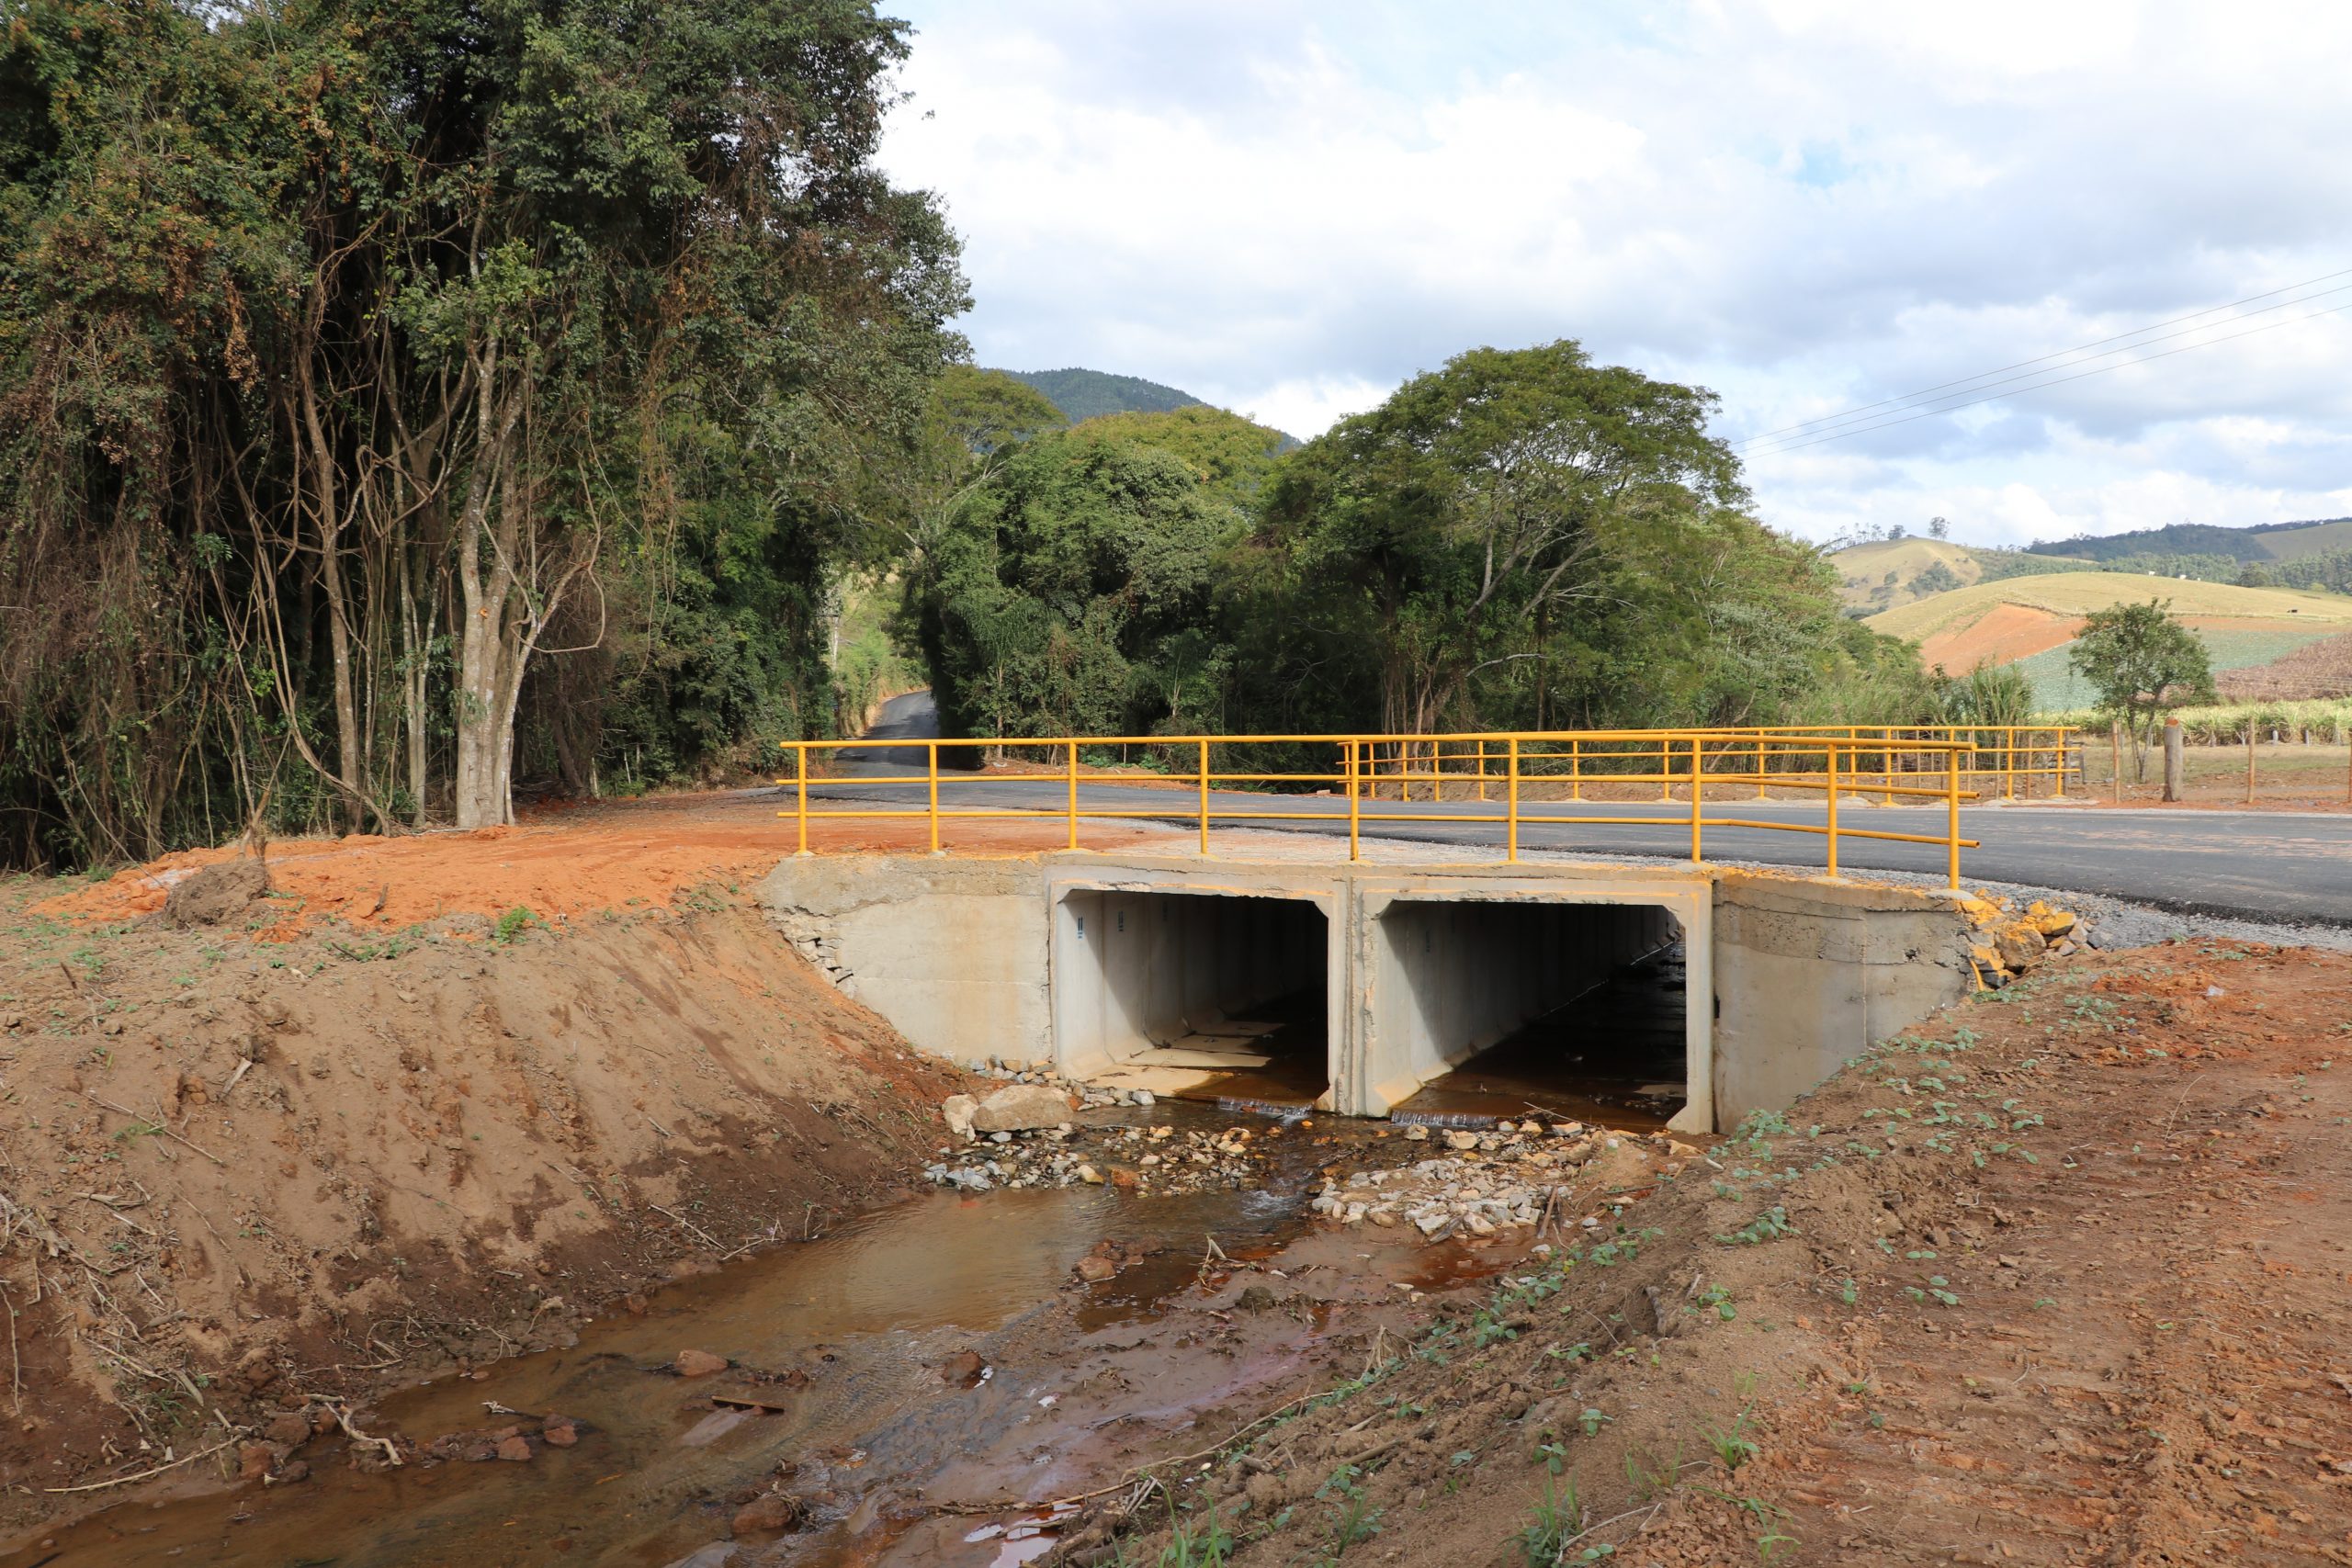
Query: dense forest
[405,401]
[402,396]
[1521,538]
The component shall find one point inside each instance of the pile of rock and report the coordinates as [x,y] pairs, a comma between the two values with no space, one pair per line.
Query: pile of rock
[2010,941]
[1065,1154]
[1010,1069]
[1514,1175]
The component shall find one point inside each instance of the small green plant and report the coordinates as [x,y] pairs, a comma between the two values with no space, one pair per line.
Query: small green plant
[1207,1546]
[1733,1445]
[1770,1225]
[1592,1421]
[1557,1520]
[1352,1519]
[513,923]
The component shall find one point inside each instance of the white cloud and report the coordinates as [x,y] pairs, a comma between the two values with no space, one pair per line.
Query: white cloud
[1806,205]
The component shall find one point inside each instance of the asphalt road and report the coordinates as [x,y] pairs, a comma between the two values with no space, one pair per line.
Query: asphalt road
[2252,865]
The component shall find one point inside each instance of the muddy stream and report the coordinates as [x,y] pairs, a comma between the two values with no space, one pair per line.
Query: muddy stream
[925,1380]
[852,1342]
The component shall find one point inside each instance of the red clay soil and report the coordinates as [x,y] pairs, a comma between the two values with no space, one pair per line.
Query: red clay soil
[2059,1277]
[235,1172]
[2004,634]
[560,863]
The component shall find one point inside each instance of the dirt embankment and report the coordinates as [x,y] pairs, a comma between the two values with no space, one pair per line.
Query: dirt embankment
[2056,1278]
[236,1172]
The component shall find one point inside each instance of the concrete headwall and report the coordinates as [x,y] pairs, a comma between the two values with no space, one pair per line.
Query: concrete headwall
[1088,958]
[1808,972]
[951,950]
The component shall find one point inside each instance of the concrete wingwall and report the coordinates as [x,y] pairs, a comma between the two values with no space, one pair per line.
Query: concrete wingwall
[951,950]
[1809,972]
[1090,959]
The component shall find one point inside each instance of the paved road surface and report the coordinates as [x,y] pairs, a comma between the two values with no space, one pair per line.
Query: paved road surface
[2257,865]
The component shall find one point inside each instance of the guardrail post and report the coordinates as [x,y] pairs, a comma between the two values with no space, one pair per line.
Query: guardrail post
[1511,833]
[1205,798]
[800,750]
[1829,756]
[933,748]
[1073,795]
[1951,816]
[1698,789]
[1350,752]
[2058,791]
[1575,769]
[1482,770]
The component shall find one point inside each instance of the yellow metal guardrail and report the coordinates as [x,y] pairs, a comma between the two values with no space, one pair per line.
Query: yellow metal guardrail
[2022,761]
[1507,771]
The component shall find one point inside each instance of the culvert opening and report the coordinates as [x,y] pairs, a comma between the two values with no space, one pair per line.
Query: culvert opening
[1512,1009]
[1199,995]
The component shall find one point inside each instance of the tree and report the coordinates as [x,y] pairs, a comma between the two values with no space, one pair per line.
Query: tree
[1069,593]
[2142,661]
[1444,532]
[1896,530]
[1939,528]
[474,372]
[1935,578]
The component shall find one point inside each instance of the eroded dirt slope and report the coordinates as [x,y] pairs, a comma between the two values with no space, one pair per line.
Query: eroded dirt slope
[2060,1276]
[234,1170]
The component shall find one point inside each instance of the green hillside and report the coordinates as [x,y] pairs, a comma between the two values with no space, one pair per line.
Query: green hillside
[1088,394]
[2256,542]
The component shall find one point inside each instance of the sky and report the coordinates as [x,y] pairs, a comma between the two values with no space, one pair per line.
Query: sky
[1807,207]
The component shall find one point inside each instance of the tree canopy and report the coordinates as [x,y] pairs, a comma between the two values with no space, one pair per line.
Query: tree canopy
[393,385]
[2142,661]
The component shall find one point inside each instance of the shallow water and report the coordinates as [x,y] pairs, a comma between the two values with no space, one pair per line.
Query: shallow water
[866,1313]
[847,1334]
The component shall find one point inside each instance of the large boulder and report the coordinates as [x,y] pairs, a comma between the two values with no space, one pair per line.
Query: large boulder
[957,1110]
[1018,1108]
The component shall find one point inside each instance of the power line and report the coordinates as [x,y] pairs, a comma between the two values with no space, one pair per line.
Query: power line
[2056,381]
[1965,381]
[1819,426]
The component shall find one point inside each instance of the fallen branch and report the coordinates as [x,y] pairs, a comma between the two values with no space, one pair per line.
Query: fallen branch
[16,1365]
[1604,1524]
[342,1413]
[116,1209]
[143,1475]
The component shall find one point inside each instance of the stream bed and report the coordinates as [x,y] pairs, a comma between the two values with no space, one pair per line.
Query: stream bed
[931,1377]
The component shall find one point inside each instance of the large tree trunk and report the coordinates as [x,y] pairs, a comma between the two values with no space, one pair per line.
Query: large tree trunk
[415,665]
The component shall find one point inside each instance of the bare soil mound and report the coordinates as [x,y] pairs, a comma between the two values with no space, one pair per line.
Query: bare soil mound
[2055,1278]
[238,1173]
[217,895]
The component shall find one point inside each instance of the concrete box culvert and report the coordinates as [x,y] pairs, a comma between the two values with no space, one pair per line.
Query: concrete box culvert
[1163,989]
[1787,975]
[1445,969]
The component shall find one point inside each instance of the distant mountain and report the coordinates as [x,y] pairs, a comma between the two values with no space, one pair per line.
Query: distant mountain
[1089,394]
[2260,542]
[1085,394]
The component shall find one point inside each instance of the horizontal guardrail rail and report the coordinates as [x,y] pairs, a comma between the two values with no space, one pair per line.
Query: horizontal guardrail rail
[1493,777]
